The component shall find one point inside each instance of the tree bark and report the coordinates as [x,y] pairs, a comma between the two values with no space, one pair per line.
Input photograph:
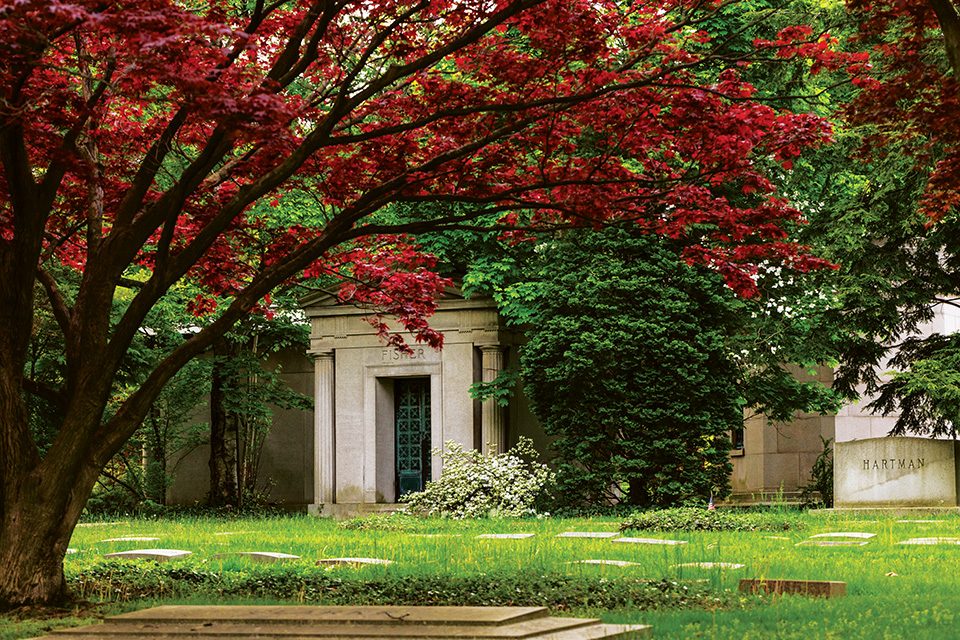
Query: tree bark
[224,435]
[39,516]
[949,19]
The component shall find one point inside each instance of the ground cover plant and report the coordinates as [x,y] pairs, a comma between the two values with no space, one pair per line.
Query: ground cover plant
[699,519]
[893,590]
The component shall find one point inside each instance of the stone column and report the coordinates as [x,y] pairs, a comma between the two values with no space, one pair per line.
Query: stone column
[324,438]
[493,417]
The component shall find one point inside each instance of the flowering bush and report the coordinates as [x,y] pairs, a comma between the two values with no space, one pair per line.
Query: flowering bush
[474,486]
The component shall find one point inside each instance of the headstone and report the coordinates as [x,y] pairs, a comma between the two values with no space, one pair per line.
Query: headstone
[650,541]
[505,536]
[353,562]
[710,565]
[845,534]
[887,472]
[350,623]
[824,588]
[614,563]
[587,534]
[931,541]
[261,556]
[160,555]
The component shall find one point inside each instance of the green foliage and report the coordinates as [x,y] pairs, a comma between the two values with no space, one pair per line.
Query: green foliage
[476,486]
[822,478]
[626,367]
[128,581]
[501,389]
[700,519]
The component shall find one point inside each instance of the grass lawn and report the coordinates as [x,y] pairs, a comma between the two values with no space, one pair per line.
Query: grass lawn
[435,561]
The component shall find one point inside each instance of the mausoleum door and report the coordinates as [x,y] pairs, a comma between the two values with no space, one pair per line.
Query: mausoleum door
[412,403]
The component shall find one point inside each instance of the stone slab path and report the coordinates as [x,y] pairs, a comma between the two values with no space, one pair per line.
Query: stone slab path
[348,623]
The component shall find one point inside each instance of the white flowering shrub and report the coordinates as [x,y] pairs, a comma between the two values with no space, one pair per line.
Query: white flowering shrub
[476,486]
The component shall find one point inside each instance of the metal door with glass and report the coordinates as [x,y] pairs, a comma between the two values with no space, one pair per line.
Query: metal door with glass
[412,402]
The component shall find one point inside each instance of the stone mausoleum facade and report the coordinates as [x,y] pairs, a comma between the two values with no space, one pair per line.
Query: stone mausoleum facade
[379,414]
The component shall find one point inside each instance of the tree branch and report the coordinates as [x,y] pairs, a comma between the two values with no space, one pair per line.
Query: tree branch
[949,20]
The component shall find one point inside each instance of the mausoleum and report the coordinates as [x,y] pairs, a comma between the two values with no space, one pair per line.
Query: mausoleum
[379,413]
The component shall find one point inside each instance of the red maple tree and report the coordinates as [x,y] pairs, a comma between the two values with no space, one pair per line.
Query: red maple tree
[912,93]
[141,135]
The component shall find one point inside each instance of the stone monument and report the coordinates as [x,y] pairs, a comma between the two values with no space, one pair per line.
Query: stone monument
[896,472]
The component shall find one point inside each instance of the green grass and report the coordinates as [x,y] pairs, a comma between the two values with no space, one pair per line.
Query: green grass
[921,601]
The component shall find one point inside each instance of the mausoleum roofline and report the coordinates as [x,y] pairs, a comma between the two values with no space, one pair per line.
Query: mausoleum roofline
[322,304]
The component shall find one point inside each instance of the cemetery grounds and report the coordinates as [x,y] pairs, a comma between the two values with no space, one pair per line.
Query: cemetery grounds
[893,590]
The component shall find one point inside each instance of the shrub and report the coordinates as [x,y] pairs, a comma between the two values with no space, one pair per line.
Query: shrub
[627,368]
[699,519]
[476,486]
[379,522]
[822,478]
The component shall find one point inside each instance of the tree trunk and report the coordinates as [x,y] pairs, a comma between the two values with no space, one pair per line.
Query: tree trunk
[38,522]
[224,435]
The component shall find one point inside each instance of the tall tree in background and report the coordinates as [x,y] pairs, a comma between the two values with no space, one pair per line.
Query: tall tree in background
[245,391]
[628,368]
[139,135]
[889,217]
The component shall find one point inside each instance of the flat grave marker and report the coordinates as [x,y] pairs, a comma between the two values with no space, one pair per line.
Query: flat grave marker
[131,539]
[822,588]
[710,565]
[505,536]
[233,533]
[845,534]
[160,555]
[931,541]
[613,563]
[266,557]
[351,562]
[832,543]
[587,534]
[650,541]
[350,623]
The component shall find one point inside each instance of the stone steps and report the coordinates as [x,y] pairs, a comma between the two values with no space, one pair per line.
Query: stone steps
[348,623]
